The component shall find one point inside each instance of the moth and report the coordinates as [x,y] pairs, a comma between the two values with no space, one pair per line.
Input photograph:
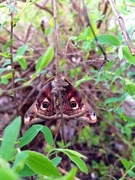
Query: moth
[59,99]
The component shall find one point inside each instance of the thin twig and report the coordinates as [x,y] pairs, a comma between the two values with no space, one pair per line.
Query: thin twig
[56,37]
[123,27]
[58,84]
[103,13]
[44,8]
[90,25]
[11,53]
[23,42]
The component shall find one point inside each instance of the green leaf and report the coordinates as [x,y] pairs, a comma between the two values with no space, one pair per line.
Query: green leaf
[130,124]
[21,50]
[10,137]
[19,80]
[29,135]
[88,33]
[41,164]
[109,65]
[130,88]
[6,63]
[2,70]
[133,153]
[116,99]
[76,158]
[32,132]
[120,53]
[3,24]
[7,174]
[75,153]
[6,46]
[69,176]
[132,173]
[128,131]
[45,60]
[22,61]
[20,58]
[84,79]
[56,160]
[127,54]
[4,80]
[108,39]
[79,162]
[12,8]
[1,91]
[19,161]
[47,134]
[26,172]
[126,163]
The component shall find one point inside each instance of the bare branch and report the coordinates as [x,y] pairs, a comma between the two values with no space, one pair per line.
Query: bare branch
[89,24]
[11,53]
[54,5]
[123,27]
[44,8]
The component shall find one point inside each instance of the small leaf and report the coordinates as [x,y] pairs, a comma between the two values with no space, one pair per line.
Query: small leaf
[130,88]
[120,53]
[84,79]
[26,172]
[19,161]
[41,164]
[127,54]
[19,80]
[6,46]
[133,153]
[6,63]
[132,173]
[108,39]
[113,99]
[21,50]
[7,174]
[22,62]
[75,153]
[4,80]
[126,163]
[76,158]
[10,136]
[15,20]
[12,8]
[109,65]
[29,135]
[3,24]
[56,160]
[116,99]
[45,60]
[2,70]
[69,176]
[79,162]
[1,92]
[47,134]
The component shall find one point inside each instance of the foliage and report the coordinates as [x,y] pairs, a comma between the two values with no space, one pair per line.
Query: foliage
[109,86]
[24,163]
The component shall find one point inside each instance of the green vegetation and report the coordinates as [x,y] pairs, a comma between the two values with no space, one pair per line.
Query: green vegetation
[102,68]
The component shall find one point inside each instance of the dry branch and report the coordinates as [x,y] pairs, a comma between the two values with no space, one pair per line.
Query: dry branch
[123,27]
